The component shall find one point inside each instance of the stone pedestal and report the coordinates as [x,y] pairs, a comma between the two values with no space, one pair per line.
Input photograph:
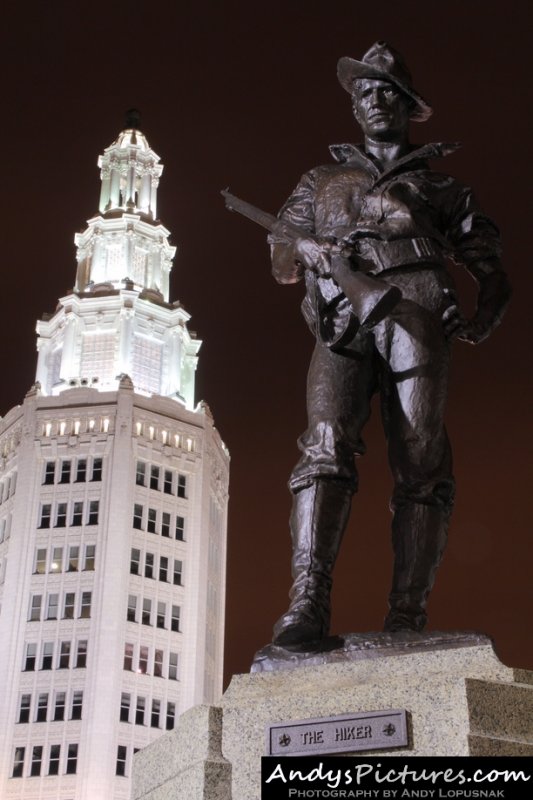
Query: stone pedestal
[460,700]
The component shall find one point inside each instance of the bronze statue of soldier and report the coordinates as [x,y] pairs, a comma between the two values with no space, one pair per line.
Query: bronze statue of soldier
[397,221]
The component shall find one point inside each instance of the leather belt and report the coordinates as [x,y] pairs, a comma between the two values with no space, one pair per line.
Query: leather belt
[383,255]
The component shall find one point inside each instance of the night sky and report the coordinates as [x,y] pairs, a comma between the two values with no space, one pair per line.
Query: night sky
[245,95]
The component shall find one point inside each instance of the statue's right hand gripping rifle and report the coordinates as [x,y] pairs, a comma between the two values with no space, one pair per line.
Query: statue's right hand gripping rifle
[371,299]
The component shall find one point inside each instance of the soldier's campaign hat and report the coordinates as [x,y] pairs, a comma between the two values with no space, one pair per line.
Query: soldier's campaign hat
[382,62]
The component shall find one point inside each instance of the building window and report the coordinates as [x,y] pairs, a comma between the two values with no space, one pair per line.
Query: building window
[59,707]
[36,761]
[53,764]
[57,560]
[161,614]
[165,524]
[93,512]
[45,515]
[175,621]
[30,657]
[139,711]
[52,610]
[49,472]
[147,612]
[163,569]
[42,708]
[178,569]
[73,558]
[138,517]
[135,562]
[35,610]
[18,762]
[97,469]
[154,478]
[140,474]
[77,514]
[122,753]
[180,528]
[167,484]
[149,565]
[158,664]
[128,657]
[77,705]
[125,702]
[156,711]
[65,472]
[85,611]
[72,759]
[24,709]
[131,614]
[143,660]
[48,655]
[81,654]
[173,666]
[90,552]
[182,486]
[81,470]
[152,519]
[64,655]
[61,515]
[68,607]
[171,716]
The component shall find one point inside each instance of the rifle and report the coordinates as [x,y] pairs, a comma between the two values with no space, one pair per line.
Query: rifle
[371,299]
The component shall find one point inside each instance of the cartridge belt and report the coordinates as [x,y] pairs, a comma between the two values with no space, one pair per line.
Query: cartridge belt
[383,255]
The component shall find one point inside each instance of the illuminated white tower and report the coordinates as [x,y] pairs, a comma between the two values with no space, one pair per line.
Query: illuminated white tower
[113,505]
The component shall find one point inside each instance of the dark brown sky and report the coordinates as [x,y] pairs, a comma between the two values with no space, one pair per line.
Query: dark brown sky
[245,95]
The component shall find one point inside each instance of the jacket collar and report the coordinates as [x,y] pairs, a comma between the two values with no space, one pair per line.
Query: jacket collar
[354,154]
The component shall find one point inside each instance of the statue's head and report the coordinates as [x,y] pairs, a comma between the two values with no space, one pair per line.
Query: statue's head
[382,65]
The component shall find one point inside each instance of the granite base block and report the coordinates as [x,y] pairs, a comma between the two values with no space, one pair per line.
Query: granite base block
[460,700]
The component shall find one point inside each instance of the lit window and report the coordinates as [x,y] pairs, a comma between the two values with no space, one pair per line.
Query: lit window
[158,664]
[165,524]
[40,562]
[59,707]
[97,470]
[182,486]
[65,472]
[68,607]
[64,655]
[76,427]
[35,610]
[175,622]
[152,520]
[154,478]
[85,611]
[167,483]
[138,428]
[178,569]
[131,614]
[161,614]
[24,709]
[135,562]
[36,761]
[72,759]
[149,565]
[190,445]
[171,716]
[122,753]
[81,470]
[53,764]
[143,660]
[73,558]
[156,711]
[48,429]
[77,705]
[173,666]
[30,657]
[164,437]
[151,431]
[105,425]
[77,514]
[128,657]
[53,606]
[62,428]
[61,515]
[138,517]
[125,702]
[57,560]
[48,655]
[176,440]
[180,528]
[18,762]
[91,424]
[163,569]
[140,474]
[49,472]
[81,654]
[93,512]
[42,708]
[139,711]
[90,552]
[45,515]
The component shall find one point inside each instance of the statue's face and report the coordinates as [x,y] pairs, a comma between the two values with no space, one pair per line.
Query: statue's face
[381,109]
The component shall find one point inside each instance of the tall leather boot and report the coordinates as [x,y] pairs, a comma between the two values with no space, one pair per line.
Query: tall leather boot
[419,534]
[318,519]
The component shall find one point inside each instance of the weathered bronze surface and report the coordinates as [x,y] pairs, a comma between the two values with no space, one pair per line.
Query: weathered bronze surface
[393,218]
